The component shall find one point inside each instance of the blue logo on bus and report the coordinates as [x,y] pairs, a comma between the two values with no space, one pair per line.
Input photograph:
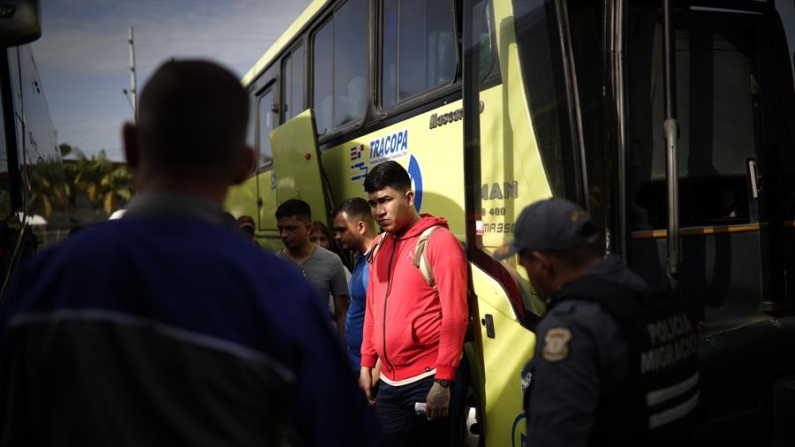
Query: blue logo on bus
[518,437]
[416,182]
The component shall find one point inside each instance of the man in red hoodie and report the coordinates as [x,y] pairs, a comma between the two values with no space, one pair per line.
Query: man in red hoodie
[415,329]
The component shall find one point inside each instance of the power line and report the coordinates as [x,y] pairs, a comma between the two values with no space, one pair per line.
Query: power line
[206,39]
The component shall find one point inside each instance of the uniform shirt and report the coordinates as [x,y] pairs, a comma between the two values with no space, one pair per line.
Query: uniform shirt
[580,354]
[354,320]
[170,331]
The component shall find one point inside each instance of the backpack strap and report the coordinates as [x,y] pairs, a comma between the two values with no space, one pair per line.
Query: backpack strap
[421,259]
[375,248]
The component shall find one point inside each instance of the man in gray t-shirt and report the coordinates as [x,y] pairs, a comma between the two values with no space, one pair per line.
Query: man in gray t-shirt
[324,269]
[321,267]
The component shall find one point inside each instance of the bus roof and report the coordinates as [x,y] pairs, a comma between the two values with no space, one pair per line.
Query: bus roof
[283,40]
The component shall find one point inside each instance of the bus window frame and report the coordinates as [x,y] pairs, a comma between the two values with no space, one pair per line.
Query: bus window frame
[286,56]
[316,25]
[563,166]
[490,76]
[272,86]
[420,97]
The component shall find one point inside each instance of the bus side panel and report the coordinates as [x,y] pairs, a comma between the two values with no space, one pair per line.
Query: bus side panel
[432,156]
[266,194]
[242,201]
[295,159]
[512,174]
[507,346]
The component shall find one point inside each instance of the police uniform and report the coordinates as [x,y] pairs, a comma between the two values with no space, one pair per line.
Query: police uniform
[614,364]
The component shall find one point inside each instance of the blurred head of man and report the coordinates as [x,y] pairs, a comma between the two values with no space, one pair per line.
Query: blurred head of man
[294,220]
[556,241]
[320,235]
[391,199]
[354,226]
[246,226]
[191,131]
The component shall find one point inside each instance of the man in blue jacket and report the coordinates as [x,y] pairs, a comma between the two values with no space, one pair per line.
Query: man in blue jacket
[167,327]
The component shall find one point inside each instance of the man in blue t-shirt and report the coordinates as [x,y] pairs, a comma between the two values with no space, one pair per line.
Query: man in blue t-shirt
[355,230]
[167,327]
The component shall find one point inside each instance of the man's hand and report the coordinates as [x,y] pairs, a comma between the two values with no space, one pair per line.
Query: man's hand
[376,373]
[438,402]
[366,384]
[340,311]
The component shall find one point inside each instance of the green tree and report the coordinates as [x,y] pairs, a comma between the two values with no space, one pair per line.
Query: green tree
[116,189]
[56,185]
[107,186]
[49,189]
[67,149]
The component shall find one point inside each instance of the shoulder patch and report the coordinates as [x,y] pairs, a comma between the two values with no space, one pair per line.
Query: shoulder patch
[556,344]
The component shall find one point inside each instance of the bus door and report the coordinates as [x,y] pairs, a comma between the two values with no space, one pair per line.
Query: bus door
[733,100]
[734,105]
[266,118]
[296,160]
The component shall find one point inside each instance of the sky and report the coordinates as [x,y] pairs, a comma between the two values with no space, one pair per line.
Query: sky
[83,56]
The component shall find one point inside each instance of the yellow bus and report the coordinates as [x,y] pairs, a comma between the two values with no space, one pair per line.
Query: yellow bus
[494,104]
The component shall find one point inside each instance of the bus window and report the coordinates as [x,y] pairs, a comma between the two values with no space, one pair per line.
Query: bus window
[544,80]
[350,61]
[294,83]
[265,127]
[419,48]
[487,34]
[340,67]
[715,79]
[324,78]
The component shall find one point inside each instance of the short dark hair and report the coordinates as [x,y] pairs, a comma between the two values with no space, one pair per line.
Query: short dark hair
[295,207]
[355,208]
[387,174]
[193,114]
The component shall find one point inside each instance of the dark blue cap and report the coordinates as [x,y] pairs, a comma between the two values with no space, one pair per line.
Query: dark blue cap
[553,224]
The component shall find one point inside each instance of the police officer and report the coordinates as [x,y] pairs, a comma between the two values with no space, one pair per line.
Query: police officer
[614,364]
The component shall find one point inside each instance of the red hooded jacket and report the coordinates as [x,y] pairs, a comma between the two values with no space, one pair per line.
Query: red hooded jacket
[406,324]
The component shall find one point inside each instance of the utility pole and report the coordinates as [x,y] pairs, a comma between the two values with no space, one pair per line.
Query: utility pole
[133,86]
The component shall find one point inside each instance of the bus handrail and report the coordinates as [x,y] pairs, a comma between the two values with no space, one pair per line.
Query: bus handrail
[671,130]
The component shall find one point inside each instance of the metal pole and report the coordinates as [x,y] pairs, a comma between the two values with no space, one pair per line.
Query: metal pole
[133,85]
[671,132]
[616,22]
[471,98]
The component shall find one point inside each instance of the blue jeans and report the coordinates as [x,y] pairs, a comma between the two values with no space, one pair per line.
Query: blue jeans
[401,425]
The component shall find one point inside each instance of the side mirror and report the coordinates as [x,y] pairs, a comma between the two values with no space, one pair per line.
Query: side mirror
[19,22]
